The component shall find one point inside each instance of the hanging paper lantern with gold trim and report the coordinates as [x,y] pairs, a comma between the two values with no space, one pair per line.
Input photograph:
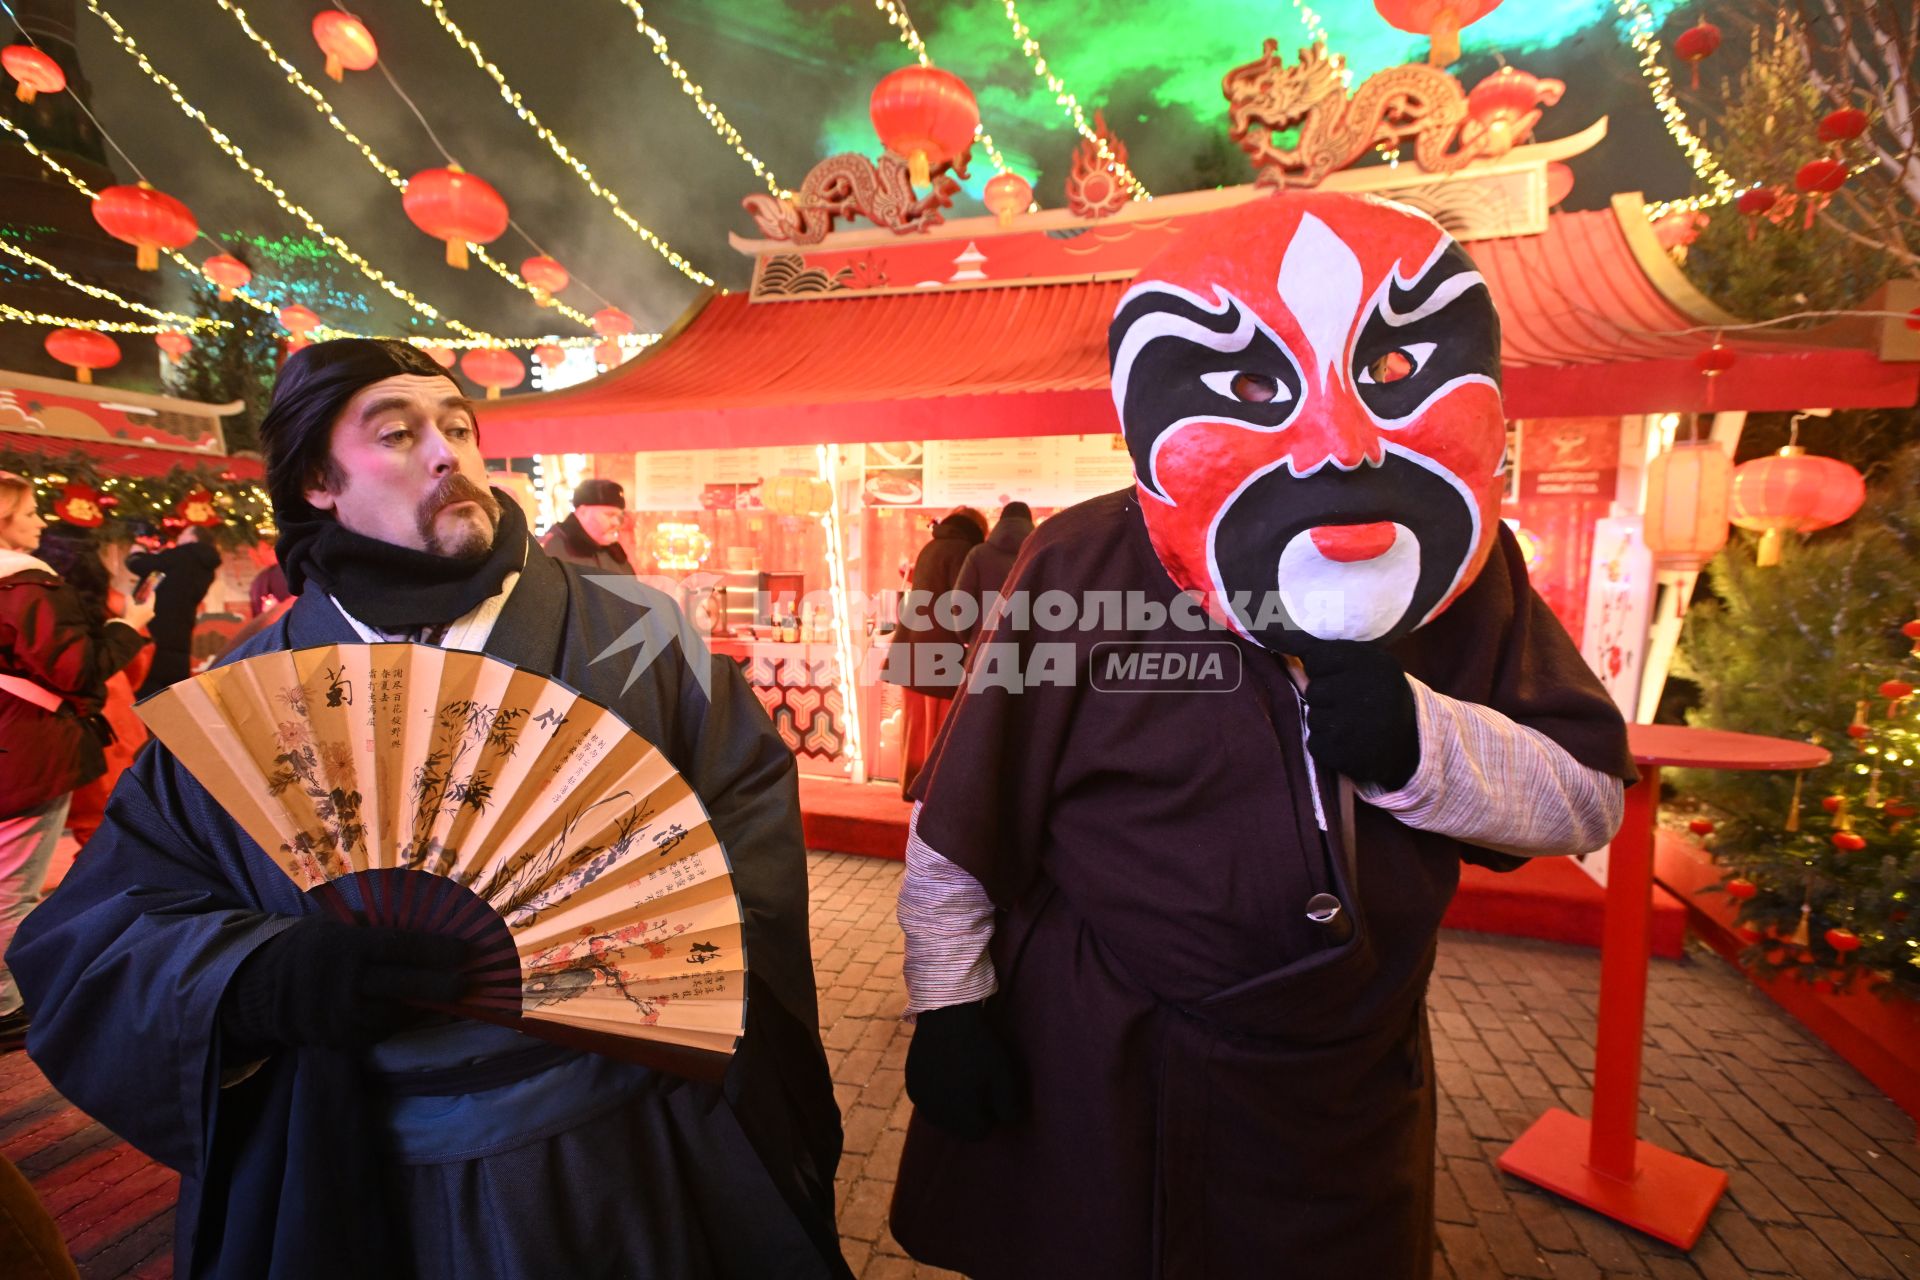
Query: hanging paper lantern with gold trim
[808,497]
[1438,20]
[609,354]
[453,205]
[84,350]
[1793,492]
[345,40]
[35,71]
[1007,196]
[147,219]
[1696,44]
[611,322]
[299,321]
[545,277]
[227,273]
[925,116]
[550,355]
[175,343]
[1687,495]
[493,368]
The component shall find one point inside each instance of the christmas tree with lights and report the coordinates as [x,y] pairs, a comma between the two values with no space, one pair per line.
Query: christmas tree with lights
[1824,647]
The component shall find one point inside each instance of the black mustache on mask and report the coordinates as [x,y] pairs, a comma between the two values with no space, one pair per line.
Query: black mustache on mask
[1269,513]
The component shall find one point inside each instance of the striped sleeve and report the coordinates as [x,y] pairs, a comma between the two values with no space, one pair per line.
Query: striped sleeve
[948,920]
[1495,783]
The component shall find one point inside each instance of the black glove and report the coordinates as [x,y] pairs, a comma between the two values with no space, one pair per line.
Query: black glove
[341,986]
[1360,716]
[959,1074]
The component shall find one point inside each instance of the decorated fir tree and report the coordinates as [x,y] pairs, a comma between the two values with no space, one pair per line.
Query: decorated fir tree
[1824,647]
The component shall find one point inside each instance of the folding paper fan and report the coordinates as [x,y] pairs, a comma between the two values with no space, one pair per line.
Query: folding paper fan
[450,792]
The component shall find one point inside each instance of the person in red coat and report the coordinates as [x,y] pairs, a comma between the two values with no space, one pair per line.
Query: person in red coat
[54,662]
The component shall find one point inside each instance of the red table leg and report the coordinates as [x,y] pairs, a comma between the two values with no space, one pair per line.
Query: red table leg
[1602,1164]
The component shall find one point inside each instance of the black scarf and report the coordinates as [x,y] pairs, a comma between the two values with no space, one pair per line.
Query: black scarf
[396,588]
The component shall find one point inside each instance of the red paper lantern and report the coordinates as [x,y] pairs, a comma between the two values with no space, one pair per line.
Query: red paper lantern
[346,42]
[1843,940]
[83,349]
[1848,842]
[299,321]
[36,72]
[1715,360]
[1793,492]
[1821,177]
[173,342]
[550,355]
[493,368]
[608,354]
[1756,201]
[227,273]
[1696,43]
[1843,125]
[149,220]
[925,116]
[1507,103]
[1559,183]
[1679,228]
[1439,20]
[1700,826]
[451,204]
[1007,196]
[545,276]
[1895,691]
[611,322]
[1740,889]
[443,356]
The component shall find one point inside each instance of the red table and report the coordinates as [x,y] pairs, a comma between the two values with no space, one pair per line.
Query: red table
[1601,1163]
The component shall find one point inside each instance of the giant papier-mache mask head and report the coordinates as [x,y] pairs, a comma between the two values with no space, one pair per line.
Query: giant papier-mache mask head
[1309,385]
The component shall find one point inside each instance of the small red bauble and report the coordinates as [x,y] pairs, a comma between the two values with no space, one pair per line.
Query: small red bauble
[1848,842]
[1740,888]
[1843,940]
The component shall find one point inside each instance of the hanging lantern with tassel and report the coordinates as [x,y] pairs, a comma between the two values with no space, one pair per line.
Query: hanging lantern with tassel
[1696,44]
[227,273]
[925,116]
[545,277]
[493,368]
[84,350]
[147,219]
[1007,196]
[1438,20]
[35,72]
[1793,492]
[1687,492]
[175,343]
[453,205]
[345,40]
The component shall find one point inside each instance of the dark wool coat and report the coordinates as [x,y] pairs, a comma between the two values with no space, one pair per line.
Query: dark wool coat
[936,571]
[569,542]
[1217,1087]
[984,572]
[649,1176]
[190,569]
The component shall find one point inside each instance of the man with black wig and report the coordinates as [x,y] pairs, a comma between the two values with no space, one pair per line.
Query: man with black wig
[187,995]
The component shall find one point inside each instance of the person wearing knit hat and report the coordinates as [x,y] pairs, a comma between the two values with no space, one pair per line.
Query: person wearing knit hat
[590,537]
[190,997]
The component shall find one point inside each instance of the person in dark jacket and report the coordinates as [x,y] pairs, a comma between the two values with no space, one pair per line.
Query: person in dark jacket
[590,537]
[986,567]
[189,566]
[925,658]
[55,658]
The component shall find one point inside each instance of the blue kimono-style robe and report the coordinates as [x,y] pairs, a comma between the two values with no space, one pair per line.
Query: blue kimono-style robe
[320,1164]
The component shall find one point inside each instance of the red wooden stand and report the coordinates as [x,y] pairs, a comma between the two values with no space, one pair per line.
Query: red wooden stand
[1601,1163]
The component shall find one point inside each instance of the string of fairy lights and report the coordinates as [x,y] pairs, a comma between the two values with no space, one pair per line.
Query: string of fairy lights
[173,318]
[1031,47]
[714,116]
[560,149]
[897,18]
[233,152]
[1721,185]
[372,157]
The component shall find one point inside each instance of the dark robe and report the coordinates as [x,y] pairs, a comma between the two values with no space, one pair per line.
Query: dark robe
[190,569]
[1217,1087]
[649,1176]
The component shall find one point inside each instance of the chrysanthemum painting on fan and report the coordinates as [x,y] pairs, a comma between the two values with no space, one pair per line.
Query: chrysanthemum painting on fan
[447,791]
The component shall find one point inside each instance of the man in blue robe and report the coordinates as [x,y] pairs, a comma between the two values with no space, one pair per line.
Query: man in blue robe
[190,997]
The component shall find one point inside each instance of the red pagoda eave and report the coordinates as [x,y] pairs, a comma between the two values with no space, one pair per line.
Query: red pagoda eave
[1596,320]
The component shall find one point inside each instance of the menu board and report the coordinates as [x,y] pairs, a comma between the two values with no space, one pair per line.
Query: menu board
[688,479]
[1045,471]
[667,480]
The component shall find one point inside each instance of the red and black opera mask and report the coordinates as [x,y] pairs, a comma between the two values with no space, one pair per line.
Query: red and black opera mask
[1310,388]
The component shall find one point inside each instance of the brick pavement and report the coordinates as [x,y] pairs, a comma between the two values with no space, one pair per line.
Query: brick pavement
[1825,1171]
